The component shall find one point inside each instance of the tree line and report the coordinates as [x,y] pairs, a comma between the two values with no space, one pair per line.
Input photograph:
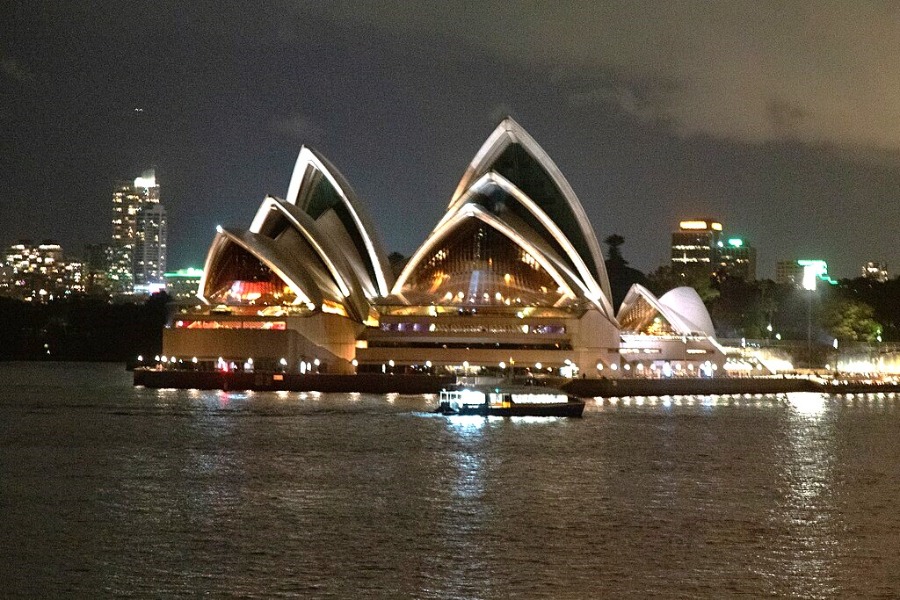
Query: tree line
[81,328]
[854,310]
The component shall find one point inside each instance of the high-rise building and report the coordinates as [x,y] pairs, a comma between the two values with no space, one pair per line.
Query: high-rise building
[128,270]
[876,271]
[150,250]
[695,246]
[736,259]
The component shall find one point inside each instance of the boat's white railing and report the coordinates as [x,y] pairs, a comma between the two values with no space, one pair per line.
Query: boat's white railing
[539,398]
[463,396]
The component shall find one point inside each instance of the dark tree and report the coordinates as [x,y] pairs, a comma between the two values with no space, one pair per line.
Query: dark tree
[397,262]
[621,276]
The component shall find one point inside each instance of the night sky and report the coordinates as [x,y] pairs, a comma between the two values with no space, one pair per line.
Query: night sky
[780,119]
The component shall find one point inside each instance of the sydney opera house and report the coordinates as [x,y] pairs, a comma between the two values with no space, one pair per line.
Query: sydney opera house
[512,276]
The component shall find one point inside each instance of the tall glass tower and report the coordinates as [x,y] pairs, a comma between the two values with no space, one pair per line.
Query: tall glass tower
[139,237]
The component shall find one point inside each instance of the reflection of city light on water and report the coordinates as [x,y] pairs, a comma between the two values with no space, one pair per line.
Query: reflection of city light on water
[469,482]
[467,423]
[537,420]
[808,507]
[808,404]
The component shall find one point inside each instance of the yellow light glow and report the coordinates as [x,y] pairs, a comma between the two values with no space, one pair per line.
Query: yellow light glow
[693,225]
[333,308]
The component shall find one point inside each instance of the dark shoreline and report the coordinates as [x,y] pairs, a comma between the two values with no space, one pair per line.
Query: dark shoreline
[376,383]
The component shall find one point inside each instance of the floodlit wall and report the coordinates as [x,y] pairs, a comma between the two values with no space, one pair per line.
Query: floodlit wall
[330,338]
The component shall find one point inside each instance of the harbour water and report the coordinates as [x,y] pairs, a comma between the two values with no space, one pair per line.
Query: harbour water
[110,490]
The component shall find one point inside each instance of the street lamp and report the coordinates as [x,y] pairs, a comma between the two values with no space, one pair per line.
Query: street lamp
[809,284]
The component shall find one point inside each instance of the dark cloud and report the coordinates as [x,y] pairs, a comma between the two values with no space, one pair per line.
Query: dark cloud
[646,101]
[15,70]
[787,118]
[299,127]
[778,118]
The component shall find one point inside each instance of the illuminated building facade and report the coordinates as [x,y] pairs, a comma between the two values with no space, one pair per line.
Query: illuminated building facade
[297,288]
[182,285]
[138,237]
[695,246]
[39,272]
[150,247]
[804,273]
[876,271]
[735,258]
[669,336]
[511,277]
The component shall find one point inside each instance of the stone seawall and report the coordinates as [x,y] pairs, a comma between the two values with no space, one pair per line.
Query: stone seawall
[372,383]
[377,383]
[675,387]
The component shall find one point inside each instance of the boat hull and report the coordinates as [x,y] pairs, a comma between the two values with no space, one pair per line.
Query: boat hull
[573,408]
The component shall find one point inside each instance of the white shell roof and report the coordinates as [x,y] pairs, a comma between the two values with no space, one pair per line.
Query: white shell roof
[681,307]
[686,303]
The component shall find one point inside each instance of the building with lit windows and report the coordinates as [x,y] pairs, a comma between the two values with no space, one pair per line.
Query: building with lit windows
[668,336]
[182,285]
[511,277]
[150,247]
[735,258]
[39,272]
[695,246]
[804,273]
[876,271]
[97,262]
[138,251]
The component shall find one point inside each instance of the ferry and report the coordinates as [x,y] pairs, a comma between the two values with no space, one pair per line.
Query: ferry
[508,401]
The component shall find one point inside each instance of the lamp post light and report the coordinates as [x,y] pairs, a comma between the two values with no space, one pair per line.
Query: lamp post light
[809,327]
[809,284]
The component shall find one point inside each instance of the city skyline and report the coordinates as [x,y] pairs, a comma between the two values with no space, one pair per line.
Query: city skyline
[749,115]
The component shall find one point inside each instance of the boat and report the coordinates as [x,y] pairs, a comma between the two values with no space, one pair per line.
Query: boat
[505,400]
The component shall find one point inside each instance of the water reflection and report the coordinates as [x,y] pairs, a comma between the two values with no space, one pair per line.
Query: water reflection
[808,404]
[464,424]
[808,507]
[465,515]
[351,496]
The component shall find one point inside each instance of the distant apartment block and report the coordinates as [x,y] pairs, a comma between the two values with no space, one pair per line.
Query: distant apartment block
[736,259]
[39,272]
[699,246]
[695,245]
[876,271]
[804,273]
[182,285]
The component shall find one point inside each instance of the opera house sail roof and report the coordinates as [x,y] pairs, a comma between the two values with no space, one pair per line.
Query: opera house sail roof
[512,271]
[514,234]
[677,312]
[316,249]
